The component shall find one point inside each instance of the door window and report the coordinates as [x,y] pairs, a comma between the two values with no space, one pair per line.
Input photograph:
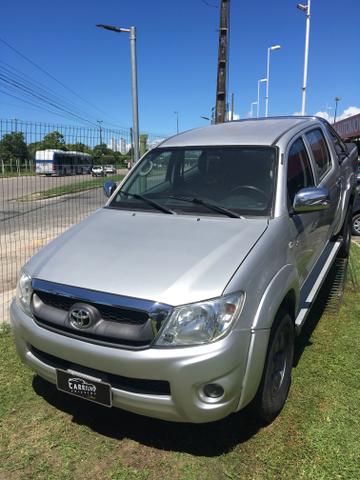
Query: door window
[339,145]
[299,174]
[320,152]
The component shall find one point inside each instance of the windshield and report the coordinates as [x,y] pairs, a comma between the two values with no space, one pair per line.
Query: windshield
[240,179]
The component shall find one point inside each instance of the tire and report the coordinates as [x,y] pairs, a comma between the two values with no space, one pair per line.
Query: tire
[346,236]
[356,224]
[276,380]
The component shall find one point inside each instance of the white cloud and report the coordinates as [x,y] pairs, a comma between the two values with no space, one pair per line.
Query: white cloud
[235,117]
[349,112]
[325,115]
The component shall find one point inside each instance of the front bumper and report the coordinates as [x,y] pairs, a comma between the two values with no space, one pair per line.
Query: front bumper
[186,369]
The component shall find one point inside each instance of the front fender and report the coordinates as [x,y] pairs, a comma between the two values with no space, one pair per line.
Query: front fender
[285,280]
[280,285]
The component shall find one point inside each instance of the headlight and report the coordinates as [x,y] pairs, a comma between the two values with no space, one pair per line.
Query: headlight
[24,292]
[200,323]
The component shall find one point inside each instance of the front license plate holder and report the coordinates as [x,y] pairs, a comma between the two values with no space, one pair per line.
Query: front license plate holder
[85,387]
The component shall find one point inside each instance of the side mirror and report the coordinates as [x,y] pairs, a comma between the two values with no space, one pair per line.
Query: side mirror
[109,188]
[311,199]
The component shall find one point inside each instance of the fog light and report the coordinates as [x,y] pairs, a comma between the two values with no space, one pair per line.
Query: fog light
[213,390]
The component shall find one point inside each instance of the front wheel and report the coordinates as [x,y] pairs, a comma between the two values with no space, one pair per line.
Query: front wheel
[356,224]
[275,383]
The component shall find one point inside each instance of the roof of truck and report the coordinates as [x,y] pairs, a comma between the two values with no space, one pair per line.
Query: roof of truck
[259,131]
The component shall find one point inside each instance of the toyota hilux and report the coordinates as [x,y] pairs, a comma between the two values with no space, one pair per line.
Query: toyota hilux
[181,298]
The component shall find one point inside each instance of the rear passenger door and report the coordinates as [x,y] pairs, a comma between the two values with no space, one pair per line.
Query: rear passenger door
[327,175]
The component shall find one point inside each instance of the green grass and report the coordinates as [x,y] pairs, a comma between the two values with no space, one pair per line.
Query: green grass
[22,173]
[75,187]
[48,435]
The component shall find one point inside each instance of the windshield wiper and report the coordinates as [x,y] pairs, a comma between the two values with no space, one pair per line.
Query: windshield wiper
[147,200]
[211,206]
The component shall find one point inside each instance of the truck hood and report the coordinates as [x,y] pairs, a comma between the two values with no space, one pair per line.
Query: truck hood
[172,259]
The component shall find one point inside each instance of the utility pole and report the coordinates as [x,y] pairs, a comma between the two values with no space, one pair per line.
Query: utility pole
[223,55]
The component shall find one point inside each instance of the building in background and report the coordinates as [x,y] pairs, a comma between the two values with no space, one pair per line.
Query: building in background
[349,128]
[123,149]
[114,145]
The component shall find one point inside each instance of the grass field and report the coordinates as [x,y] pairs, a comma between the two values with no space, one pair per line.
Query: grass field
[75,187]
[48,435]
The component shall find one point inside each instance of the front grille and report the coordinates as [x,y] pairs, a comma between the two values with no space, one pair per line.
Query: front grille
[114,314]
[113,320]
[134,385]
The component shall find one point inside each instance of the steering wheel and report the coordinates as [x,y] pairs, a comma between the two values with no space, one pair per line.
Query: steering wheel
[251,188]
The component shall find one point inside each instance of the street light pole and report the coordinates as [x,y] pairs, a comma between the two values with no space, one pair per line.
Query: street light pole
[270,49]
[337,100]
[306,9]
[134,89]
[251,109]
[258,97]
[134,85]
[177,121]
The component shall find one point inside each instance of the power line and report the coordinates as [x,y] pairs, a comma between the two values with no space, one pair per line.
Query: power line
[52,77]
[34,104]
[39,89]
[41,97]
[48,74]
[209,4]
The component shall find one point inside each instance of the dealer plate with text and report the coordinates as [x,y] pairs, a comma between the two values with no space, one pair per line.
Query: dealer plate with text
[84,387]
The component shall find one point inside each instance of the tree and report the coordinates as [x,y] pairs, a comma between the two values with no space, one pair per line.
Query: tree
[99,151]
[78,147]
[33,147]
[53,140]
[13,149]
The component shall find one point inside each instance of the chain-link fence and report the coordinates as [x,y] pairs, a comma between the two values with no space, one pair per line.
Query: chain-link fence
[51,177]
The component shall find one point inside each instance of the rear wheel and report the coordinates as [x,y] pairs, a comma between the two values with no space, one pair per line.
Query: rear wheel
[356,224]
[275,384]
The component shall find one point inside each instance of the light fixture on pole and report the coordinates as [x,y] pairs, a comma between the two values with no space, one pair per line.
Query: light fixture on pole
[270,49]
[177,121]
[337,100]
[251,109]
[258,97]
[306,10]
[134,87]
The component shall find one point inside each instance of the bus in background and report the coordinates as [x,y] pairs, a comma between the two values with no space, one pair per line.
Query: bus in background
[59,162]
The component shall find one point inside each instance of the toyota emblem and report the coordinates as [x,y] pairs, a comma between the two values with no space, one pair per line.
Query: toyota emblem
[80,318]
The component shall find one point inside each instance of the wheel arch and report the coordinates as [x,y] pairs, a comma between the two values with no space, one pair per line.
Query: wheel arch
[289,304]
[282,291]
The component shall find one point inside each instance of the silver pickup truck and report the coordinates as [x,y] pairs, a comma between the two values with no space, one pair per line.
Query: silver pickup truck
[181,298]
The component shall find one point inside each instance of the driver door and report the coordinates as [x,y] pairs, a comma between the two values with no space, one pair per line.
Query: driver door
[304,227]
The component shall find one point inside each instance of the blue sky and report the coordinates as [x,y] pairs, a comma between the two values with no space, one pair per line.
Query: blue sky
[177,55]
